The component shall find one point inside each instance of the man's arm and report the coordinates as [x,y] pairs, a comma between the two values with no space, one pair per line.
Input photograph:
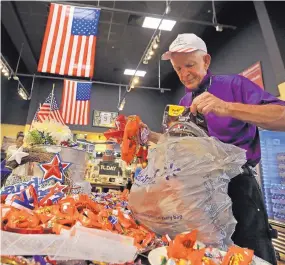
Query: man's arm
[269,117]
[251,104]
[154,137]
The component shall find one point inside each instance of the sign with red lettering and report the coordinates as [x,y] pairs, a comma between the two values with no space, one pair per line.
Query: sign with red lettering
[254,74]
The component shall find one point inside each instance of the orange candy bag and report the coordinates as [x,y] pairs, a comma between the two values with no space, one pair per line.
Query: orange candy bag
[238,256]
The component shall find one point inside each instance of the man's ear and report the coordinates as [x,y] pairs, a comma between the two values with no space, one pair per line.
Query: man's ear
[207,61]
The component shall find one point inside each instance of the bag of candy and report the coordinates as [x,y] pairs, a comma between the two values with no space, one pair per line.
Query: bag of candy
[184,186]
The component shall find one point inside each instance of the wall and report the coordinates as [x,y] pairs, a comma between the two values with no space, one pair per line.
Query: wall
[243,50]
[148,104]
[14,109]
[278,23]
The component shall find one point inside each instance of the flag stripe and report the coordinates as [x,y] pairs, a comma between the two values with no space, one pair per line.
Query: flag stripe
[81,53]
[83,70]
[76,59]
[69,102]
[88,64]
[49,40]
[59,69]
[78,111]
[73,54]
[87,113]
[42,57]
[54,39]
[63,108]
[60,41]
[72,116]
[67,32]
[92,57]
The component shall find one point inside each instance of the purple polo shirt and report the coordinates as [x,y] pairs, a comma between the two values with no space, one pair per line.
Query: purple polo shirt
[235,88]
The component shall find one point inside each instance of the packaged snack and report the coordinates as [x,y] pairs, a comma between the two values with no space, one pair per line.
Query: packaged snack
[176,118]
[238,256]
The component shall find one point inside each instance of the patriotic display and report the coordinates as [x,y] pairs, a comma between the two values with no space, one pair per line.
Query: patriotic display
[69,43]
[154,217]
[84,185]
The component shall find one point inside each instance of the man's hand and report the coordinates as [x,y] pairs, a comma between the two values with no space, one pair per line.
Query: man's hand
[208,103]
[153,136]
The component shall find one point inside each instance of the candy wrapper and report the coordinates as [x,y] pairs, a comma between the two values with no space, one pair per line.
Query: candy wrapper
[64,229]
[176,117]
[131,137]
[185,187]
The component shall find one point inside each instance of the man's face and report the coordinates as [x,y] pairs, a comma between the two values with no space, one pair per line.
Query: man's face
[191,67]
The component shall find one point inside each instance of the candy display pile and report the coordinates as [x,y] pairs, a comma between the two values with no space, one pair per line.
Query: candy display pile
[105,211]
[181,251]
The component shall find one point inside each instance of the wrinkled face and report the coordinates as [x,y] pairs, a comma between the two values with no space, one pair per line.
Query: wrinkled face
[191,67]
[19,141]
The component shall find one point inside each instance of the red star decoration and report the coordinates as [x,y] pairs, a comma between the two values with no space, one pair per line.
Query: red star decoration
[53,190]
[54,169]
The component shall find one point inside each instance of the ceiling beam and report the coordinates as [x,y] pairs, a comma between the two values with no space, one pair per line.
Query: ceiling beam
[16,32]
[144,14]
[92,81]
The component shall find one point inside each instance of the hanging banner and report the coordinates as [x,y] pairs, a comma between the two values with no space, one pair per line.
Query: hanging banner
[254,74]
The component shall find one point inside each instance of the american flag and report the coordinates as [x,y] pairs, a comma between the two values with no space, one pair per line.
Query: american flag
[75,104]
[70,40]
[49,111]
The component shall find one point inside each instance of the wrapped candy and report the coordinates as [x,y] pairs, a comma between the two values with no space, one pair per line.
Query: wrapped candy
[238,256]
[42,218]
[130,134]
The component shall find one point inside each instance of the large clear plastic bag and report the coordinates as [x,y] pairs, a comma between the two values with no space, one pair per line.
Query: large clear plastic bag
[185,186]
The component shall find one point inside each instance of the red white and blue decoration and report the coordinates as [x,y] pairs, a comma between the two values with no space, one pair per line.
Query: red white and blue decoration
[27,199]
[31,194]
[54,169]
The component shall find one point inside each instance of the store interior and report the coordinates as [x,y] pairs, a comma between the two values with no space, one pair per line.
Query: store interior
[96,144]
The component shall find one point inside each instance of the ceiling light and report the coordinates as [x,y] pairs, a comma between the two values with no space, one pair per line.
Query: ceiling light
[22,93]
[4,71]
[148,57]
[219,28]
[153,23]
[155,46]
[122,104]
[6,74]
[145,61]
[151,53]
[136,80]
[132,72]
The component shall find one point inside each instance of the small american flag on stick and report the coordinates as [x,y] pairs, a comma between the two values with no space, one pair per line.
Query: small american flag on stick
[49,111]
[70,40]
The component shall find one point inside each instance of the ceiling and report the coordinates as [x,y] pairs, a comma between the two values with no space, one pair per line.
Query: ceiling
[121,39]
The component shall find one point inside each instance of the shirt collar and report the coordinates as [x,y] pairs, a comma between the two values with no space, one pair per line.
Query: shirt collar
[205,79]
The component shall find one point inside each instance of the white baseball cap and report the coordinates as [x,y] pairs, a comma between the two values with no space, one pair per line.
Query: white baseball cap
[187,42]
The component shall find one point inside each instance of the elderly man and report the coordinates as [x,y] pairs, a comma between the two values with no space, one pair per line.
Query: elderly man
[233,107]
